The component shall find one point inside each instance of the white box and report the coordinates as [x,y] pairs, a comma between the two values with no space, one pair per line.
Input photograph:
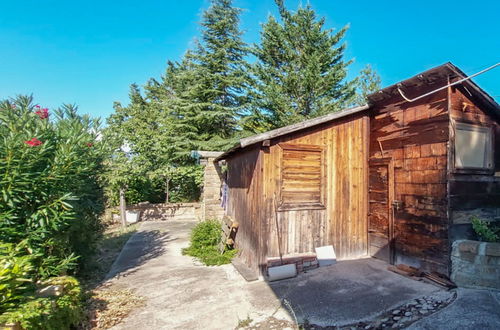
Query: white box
[326,255]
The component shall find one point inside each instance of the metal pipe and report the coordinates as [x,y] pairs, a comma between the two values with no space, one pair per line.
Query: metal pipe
[449,85]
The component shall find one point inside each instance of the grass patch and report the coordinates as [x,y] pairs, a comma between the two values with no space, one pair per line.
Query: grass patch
[106,306]
[108,249]
[244,323]
[205,240]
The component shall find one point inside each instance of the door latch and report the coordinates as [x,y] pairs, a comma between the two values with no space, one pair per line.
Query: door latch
[397,204]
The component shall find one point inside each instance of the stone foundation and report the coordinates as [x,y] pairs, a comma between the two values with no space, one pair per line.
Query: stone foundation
[303,262]
[476,264]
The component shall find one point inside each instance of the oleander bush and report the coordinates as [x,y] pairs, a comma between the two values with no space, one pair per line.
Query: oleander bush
[50,204]
[48,313]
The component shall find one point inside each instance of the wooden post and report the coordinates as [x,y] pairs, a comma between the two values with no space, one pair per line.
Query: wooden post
[167,184]
[123,208]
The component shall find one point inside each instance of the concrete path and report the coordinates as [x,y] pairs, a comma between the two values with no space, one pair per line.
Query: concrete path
[472,310]
[181,293]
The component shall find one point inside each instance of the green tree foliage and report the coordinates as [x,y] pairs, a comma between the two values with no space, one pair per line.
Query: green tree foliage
[368,83]
[216,96]
[150,145]
[300,71]
[195,105]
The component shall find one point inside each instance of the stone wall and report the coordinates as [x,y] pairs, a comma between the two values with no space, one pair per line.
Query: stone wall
[475,264]
[170,211]
[211,196]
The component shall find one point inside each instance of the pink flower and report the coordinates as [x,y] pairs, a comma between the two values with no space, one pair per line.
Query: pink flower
[33,142]
[37,106]
[89,144]
[43,114]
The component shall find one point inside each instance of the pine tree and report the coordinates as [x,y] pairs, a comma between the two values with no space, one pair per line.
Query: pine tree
[368,82]
[300,71]
[218,74]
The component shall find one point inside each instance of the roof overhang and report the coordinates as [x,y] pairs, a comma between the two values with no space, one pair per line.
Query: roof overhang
[436,78]
[245,142]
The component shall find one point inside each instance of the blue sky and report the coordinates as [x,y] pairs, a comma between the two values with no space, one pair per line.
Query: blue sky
[89,52]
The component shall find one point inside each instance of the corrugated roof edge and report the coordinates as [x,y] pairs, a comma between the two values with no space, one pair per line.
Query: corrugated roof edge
[245,142]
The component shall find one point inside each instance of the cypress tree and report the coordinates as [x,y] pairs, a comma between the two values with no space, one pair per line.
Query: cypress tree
[216,98]
[300,71]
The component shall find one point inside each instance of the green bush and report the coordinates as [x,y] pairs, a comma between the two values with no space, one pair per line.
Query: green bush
[50,196]
[52,313]
[204,245]
[186,184]
[50,206]
[16,272]
[485,231]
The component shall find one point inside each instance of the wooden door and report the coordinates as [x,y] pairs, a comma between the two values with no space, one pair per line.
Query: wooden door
[380,225]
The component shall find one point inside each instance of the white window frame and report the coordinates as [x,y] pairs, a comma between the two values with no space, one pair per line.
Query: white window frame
[488,156]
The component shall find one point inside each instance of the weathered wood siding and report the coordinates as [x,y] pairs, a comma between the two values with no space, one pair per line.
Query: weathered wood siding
[414,137]
[254,179]
[472,194]
[244,179]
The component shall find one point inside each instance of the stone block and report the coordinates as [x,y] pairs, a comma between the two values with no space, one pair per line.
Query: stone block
[469,246]
[492,249]
[467,256]
[488,260]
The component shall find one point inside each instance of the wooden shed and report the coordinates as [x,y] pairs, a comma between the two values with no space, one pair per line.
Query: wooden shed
[397,179]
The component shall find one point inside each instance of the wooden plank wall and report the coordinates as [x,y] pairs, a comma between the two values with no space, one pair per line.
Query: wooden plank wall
[343,221]
[473,195]
[415,136]
[254,182]
[245,201]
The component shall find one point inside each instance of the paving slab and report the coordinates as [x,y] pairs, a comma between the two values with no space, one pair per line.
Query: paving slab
[472,310]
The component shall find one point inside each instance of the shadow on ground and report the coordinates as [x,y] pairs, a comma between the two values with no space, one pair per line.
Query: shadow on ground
[347,292]
[143,246]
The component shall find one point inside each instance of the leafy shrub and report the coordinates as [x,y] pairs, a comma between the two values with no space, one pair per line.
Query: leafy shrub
[16,271]
[186,183]
[485,231]
[50,203]
[52,313]
[205,239]
[50,196]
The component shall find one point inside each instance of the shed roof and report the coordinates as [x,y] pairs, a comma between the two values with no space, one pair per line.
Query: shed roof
[434,76]
[245,142]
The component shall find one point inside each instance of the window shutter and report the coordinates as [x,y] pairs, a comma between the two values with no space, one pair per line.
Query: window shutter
[302,176]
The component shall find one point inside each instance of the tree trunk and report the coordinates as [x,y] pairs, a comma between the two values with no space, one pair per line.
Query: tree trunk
[123,208]
[167,188]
